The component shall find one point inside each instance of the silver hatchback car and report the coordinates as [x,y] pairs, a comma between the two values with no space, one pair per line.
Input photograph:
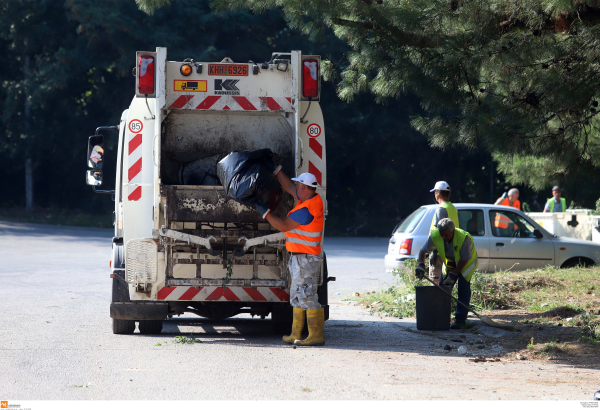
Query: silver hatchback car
[505,238]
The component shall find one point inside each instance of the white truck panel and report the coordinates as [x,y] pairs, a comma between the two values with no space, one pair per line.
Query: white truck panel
[139,170]
[270,90]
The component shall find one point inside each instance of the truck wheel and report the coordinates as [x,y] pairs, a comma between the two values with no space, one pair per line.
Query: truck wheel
[123,327]
[150,327]
[281,328]
[322,291]
[281,318]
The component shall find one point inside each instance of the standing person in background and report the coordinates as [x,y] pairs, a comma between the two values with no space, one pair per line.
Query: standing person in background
[556,203]
[441,191]
[510,198]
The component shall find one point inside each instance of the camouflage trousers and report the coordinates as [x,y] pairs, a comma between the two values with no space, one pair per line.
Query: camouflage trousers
[305,271]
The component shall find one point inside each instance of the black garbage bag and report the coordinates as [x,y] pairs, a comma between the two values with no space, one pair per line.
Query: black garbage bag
[200,172]
[247,177]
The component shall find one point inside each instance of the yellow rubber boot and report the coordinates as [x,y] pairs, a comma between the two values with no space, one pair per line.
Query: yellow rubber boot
[297,326]
[316,325]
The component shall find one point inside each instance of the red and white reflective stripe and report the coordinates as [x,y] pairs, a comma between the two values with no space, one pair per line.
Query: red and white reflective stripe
[134,172]
[315,162]
[218,293]
[230,102]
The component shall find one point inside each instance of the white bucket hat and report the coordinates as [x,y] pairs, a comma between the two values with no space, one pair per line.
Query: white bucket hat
[441,186]
[307,179]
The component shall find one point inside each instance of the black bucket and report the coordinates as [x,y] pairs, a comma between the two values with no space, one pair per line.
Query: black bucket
[433,308]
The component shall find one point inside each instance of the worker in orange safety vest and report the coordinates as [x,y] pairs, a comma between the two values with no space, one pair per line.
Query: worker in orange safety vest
[303,229]
[510,198]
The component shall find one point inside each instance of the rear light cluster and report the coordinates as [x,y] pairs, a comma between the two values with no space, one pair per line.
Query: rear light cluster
[406,247]
[145,71]
[310,78]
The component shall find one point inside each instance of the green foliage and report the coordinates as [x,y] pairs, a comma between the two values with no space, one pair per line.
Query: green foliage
[67,65]
[186,340]
[149,6]
[515,78]
[552,348]
[81,53]
[589,331]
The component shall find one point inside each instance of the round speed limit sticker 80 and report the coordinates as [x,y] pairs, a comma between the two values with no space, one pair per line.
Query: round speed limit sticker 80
[313,130]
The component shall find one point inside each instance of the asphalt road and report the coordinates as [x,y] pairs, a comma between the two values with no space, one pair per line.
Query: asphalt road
[56,340]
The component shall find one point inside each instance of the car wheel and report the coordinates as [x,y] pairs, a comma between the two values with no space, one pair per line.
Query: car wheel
[578,261]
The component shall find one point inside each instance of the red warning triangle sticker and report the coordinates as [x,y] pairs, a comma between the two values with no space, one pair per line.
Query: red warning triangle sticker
[226,108]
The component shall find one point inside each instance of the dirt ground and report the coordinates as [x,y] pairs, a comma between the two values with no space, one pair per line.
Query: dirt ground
[539,336]
[566,346]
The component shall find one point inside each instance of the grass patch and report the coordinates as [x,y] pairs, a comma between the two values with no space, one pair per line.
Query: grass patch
[552,348]
[589,328]
[56,217]
[186,340]
[558,293]
[397,300]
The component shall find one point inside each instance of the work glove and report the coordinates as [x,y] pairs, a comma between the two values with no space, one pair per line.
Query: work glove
[450,279]
[277,169]
[272,166]
[262,209]
[504,195]
[420,270]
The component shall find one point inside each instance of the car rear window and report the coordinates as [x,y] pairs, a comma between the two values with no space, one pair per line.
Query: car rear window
[411,222]
[471,220]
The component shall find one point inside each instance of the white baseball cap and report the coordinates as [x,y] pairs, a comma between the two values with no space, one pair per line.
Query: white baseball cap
[441,186]
[307,179]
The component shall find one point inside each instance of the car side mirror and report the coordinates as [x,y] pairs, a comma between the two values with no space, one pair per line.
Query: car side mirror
[538,234]
[95,152]
[93,178]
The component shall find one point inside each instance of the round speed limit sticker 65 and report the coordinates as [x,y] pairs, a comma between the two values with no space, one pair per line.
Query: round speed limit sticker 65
[313,130]
[135,126]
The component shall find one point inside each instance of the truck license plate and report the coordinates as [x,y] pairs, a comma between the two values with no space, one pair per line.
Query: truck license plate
[228,69]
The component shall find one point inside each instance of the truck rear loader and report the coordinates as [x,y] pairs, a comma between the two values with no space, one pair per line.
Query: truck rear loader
[180,244]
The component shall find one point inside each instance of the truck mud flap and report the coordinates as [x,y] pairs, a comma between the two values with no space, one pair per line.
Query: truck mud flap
[138,311]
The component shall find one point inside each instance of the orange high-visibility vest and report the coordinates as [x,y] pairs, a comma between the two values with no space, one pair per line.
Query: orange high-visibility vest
[502,221]
[307,238]
[516,204]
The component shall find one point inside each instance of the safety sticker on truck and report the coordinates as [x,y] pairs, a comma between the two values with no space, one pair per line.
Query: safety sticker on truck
[313,130]
[135,126]
[193,86]
[228,69]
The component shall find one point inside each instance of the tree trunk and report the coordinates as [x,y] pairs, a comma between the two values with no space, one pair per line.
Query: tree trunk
[28,184]
[492,199]
[28,160]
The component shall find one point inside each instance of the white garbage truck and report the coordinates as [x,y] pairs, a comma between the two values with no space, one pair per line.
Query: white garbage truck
[181,245]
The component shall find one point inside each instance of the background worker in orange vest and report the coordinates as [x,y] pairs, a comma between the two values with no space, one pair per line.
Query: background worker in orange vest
[510,199]
[303,229]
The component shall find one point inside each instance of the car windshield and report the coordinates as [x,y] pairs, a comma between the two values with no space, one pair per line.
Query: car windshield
[410,223]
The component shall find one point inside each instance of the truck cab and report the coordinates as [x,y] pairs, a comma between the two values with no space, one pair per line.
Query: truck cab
[181,245]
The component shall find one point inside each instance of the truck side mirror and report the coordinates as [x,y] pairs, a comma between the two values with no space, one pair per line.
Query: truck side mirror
[93,178]
[538,234]
[95,152]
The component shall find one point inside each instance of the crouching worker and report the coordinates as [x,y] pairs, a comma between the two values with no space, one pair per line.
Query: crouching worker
[303,229]
[457,250]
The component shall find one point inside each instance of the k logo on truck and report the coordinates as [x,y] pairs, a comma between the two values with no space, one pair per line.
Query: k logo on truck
[226,87]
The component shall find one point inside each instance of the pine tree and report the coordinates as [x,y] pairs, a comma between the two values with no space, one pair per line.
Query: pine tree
[519,78]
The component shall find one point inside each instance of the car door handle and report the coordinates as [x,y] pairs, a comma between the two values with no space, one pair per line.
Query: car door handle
[500,244]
